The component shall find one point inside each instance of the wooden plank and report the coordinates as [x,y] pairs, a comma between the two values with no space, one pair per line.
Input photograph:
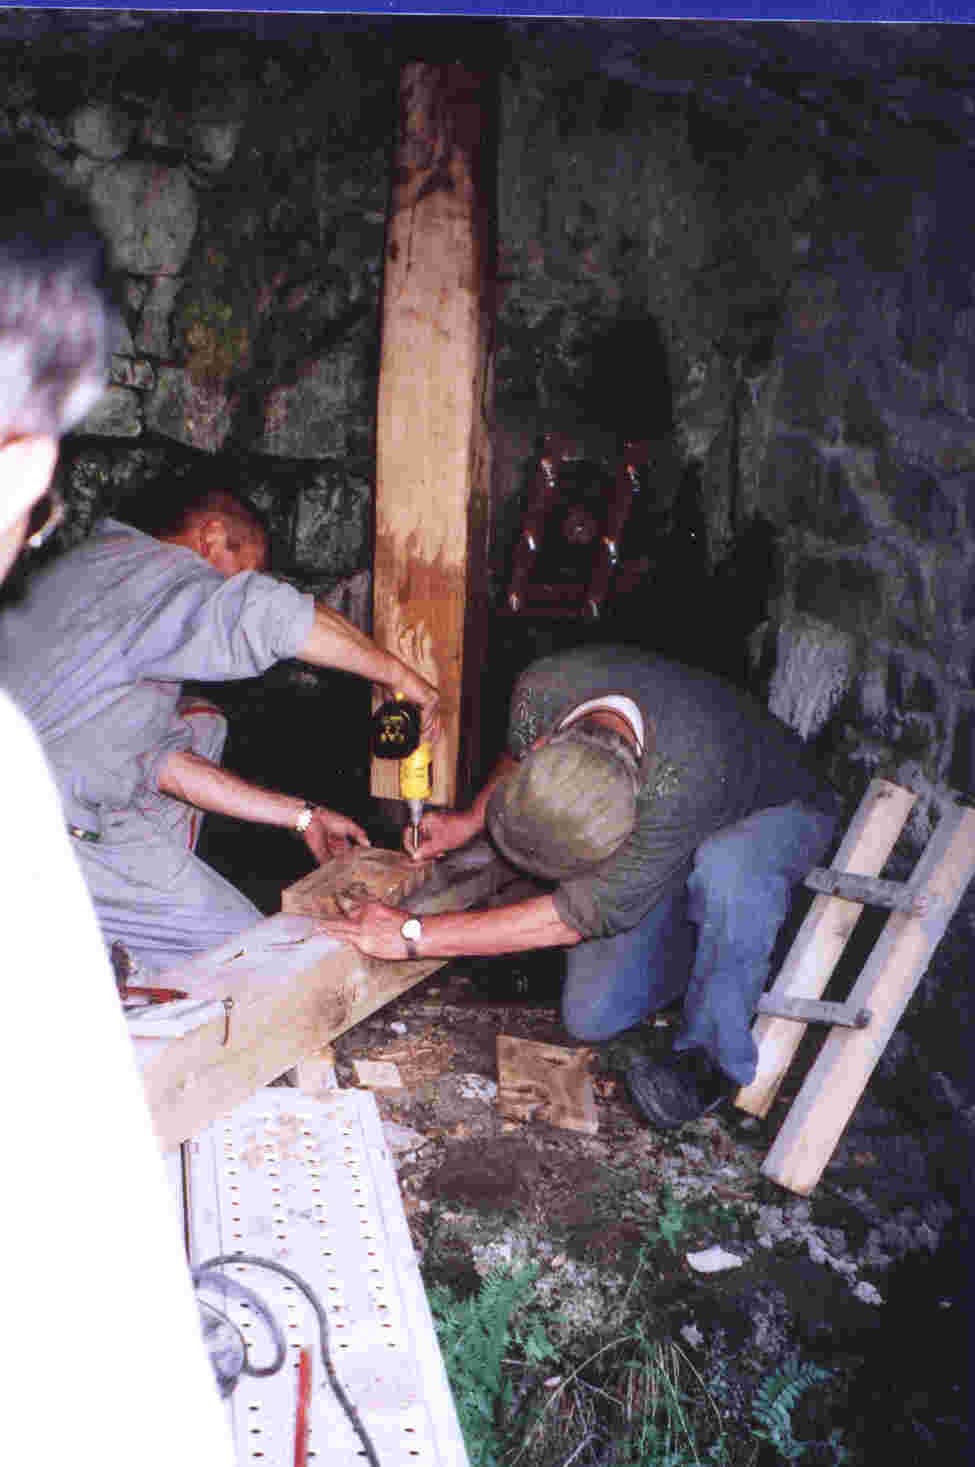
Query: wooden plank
[871,836]
[434,407]
[293,991]
[544,1082]
[821,1110]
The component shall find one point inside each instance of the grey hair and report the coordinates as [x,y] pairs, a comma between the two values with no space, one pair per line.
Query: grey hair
[57,319]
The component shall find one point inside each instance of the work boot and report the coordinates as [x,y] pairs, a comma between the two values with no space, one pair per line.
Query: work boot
[677,1088]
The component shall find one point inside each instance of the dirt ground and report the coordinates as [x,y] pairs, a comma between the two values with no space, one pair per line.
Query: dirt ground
[848,1276]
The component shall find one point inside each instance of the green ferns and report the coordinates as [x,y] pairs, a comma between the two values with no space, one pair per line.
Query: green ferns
[474,1334]
[773,1405]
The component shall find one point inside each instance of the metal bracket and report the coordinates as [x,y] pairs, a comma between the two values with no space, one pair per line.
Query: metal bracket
[897,896]
[814,1011]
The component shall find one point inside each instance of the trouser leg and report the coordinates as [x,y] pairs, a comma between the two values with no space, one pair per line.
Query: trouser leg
[738,897]
[614,982]
[155,896]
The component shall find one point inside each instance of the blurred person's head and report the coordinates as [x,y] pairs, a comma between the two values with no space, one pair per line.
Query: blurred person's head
[56,320]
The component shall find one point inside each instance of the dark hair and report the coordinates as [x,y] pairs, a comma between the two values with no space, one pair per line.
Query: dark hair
[56,311]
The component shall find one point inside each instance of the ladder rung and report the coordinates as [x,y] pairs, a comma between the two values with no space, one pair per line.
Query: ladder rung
[870,890]
[814,1011]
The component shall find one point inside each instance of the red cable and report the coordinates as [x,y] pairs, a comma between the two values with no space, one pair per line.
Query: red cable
[301,1415]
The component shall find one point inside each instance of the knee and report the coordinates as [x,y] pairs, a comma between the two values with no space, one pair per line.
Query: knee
[587,1024]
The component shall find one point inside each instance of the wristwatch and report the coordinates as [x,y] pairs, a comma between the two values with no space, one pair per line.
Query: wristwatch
[411,932]
[305,819]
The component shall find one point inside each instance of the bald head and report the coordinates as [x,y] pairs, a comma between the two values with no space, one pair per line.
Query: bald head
[218,526]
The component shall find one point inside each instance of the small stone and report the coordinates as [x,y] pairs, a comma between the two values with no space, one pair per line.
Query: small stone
[867,1294]
[477,1087]
[398,1027]
[713,1260]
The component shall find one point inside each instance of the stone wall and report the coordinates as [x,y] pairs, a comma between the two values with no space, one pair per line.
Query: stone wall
[863,452]
[243,189]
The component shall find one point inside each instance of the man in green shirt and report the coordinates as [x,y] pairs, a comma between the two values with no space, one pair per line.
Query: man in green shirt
[669,817]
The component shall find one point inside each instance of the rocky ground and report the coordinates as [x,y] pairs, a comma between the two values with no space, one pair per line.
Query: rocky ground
[867,1278]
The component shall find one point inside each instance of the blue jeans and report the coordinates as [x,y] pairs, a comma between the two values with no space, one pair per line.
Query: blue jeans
[709,942]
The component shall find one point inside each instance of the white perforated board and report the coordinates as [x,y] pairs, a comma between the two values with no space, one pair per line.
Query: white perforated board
[310,1184]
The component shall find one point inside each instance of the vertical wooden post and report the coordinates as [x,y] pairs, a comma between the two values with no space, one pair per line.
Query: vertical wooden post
[434,409]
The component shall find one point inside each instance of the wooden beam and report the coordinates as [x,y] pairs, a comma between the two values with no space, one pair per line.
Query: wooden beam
[817,946]
[293,990]
[821,1110]
[434,407]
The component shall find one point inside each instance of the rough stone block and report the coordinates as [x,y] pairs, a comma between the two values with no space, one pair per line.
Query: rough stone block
[117,414]
[332,519]
[307,418]
[801,486]
[921,502]
[214,143]
[153,335]
[813,302]
[845,593]
[196,413]
[812,392]
[132,372]
[101,131]
[149,213]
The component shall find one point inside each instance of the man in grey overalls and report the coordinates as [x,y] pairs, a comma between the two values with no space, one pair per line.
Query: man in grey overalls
[96,652]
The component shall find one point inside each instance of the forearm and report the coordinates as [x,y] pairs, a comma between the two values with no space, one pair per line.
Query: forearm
[335,642]
[520,927]
[196,781]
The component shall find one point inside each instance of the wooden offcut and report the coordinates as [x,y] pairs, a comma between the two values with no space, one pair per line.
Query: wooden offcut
[434,407]
[544,1082]
[363,875]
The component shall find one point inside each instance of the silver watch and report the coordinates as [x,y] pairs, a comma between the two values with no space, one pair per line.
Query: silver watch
[411,932]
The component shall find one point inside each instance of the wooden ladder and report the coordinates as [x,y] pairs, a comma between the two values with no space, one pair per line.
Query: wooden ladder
[860,1028]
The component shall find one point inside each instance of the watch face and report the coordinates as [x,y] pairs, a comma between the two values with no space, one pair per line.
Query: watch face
[412,929]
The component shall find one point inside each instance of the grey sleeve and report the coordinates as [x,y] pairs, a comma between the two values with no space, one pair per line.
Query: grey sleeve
[210,629]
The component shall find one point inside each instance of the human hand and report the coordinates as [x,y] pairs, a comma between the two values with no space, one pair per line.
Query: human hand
[331,834]
[427,699]
[373,928]
[440,831]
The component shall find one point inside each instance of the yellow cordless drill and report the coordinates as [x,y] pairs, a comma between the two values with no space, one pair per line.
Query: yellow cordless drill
[396,735]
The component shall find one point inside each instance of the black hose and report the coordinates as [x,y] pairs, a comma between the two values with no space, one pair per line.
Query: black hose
[299,1283]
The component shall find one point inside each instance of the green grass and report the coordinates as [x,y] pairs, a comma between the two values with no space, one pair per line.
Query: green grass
[633,1398]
